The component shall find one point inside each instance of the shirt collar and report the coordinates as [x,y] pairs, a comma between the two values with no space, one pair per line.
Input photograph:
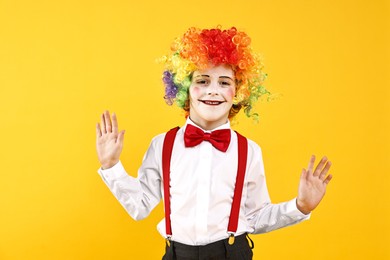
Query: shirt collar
[224,126]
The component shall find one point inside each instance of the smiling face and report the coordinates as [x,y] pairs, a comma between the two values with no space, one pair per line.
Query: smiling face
[211,96]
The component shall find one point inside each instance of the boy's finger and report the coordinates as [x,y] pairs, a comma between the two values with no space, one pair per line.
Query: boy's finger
[325,170]
[121,136]
[103,123]
[303,174]
[320,165]
[114,123]
[98,131]
[107,120]
[327,180]
[311,164]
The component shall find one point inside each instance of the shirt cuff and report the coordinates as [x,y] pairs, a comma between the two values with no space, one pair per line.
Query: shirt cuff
[115,172]
[294,211]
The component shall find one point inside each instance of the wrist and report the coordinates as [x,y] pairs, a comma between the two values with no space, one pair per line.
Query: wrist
[108,165]
[302,208]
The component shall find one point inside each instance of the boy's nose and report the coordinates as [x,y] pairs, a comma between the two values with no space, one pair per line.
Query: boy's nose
[213,89]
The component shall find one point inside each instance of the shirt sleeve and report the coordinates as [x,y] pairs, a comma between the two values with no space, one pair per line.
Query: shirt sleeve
[262,215]
[137,195]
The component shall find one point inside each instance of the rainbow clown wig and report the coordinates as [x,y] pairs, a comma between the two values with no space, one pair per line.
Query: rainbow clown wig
[197,49]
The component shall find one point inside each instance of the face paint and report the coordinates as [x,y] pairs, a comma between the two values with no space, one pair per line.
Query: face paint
[211,96]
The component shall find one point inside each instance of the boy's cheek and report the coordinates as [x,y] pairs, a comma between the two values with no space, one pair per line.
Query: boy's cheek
[230,93]
[195,91]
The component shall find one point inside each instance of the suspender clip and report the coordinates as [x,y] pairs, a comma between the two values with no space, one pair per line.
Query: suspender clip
[168,241]
[231,238]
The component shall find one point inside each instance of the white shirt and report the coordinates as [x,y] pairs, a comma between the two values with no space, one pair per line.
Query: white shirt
[202,188]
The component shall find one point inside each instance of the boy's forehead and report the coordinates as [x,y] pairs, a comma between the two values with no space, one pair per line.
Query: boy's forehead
[219,70]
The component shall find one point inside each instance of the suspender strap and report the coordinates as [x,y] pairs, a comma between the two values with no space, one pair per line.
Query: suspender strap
[166,166]
[242,158]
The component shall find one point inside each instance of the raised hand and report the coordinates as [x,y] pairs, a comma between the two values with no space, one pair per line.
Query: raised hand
[109,142]
[312,185]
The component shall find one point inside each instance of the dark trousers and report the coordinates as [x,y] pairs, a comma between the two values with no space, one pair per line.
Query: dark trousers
[241,249]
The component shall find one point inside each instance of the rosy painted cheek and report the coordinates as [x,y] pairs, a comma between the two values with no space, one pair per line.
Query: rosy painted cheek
[196,91]
[230,93]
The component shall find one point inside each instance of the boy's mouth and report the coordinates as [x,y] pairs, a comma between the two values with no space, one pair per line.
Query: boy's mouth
[211,102]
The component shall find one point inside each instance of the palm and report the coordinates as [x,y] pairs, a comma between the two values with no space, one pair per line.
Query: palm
[109,142]
[312,186]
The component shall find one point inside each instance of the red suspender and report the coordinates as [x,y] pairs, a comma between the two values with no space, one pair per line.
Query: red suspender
[166,167]
[242,158]
[166,163]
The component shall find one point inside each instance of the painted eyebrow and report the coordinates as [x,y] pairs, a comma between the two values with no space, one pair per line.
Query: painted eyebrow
[202,76]
[224,77]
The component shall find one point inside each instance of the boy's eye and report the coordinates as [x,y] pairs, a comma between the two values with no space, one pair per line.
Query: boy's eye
[201,81]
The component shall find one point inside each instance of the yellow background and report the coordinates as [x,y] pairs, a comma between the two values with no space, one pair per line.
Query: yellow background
[63,62]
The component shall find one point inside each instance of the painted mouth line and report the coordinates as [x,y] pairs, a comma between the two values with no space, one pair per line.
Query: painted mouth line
[211,102]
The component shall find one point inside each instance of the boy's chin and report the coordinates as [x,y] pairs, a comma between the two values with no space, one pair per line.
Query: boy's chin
[214,119]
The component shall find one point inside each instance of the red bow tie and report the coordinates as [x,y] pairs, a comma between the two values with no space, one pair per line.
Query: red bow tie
[220,139]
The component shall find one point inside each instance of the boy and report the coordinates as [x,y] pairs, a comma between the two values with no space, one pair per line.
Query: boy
[210,177]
